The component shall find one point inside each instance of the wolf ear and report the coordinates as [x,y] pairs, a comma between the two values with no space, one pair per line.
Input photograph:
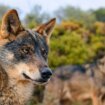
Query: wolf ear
[47,28]
[11,25]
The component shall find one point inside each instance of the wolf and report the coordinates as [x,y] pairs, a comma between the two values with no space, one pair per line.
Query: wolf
[77,83]
[23,58]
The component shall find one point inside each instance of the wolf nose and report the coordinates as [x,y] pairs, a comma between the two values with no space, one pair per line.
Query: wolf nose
[46,73]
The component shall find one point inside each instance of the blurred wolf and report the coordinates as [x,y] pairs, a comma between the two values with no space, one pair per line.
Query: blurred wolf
[77,83]
[23,59]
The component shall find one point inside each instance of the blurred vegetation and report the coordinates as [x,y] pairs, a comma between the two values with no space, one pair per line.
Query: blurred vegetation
[78,36]
[3,9]
[73,44]
[35,17]
[100,14]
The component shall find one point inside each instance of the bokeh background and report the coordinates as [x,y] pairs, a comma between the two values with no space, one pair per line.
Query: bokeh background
[79,35]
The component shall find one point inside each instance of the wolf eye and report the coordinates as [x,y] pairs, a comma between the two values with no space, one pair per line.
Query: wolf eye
[26,50]
[44,53]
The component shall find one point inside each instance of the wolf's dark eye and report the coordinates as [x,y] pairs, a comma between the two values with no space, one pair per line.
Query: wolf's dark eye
[26,50]
[44,53]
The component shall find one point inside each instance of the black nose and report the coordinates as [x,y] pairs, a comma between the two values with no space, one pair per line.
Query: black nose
[46,73]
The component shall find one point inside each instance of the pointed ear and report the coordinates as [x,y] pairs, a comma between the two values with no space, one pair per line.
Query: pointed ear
[47,28]
[11,25]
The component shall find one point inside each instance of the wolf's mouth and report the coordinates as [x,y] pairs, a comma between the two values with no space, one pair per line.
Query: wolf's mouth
[40,81]
[26,76]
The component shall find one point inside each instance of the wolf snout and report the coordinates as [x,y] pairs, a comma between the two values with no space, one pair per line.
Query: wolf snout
[46,73]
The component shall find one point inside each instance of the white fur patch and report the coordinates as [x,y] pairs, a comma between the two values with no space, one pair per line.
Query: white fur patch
[10,56]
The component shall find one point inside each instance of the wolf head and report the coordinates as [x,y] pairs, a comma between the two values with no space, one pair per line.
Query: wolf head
[23,52]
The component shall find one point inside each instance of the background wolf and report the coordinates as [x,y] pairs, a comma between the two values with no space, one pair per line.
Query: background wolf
[23,59]
[77,83]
